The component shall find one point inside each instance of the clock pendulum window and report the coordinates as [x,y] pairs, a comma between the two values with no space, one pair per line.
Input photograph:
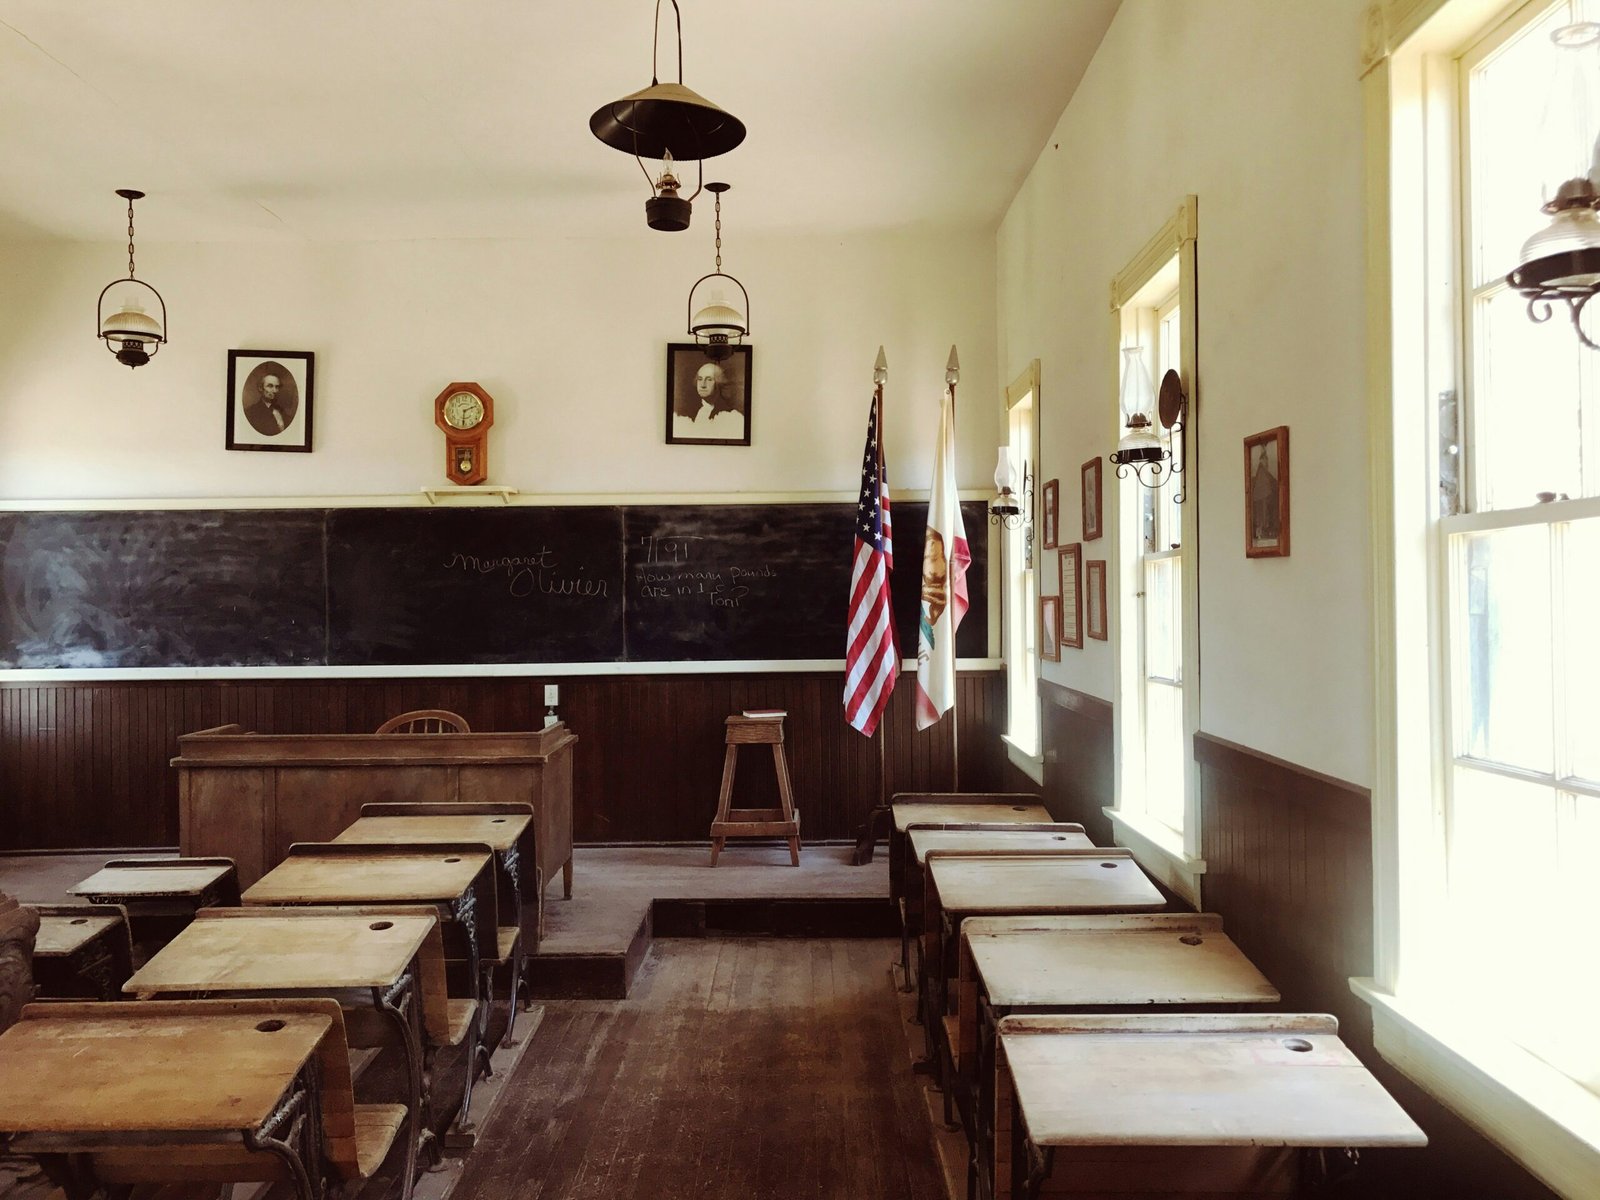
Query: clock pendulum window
[464,412]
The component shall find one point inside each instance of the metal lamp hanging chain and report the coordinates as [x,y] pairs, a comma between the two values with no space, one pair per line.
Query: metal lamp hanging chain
[130,239]
[719,234]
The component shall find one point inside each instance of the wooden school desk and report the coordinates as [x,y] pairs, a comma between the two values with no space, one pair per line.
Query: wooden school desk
[161,895]
[391,958]
[926,808]
[82,951]
[1075,964]
[920,837]
[456,879]
[1161,1105]
[173,1092]
[958,884]
[501,827]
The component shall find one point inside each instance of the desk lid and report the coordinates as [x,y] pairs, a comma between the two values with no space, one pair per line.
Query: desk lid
[997,837]
[1197,1080]
[1040,881]
[65,930]
[357,874]
[497,831]
[271,952]
[153,881]
[1113,959]
[196,1067]
[924,811]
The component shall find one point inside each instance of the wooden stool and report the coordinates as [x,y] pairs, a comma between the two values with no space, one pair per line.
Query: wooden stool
[730,822]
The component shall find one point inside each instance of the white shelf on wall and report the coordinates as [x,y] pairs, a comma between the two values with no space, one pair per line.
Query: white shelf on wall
[436,494]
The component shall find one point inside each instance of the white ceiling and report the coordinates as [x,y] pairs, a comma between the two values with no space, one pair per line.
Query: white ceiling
[341,120]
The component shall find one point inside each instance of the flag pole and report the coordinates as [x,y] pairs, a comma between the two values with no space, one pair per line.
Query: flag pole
[952,376]
[867,839]
[880,375]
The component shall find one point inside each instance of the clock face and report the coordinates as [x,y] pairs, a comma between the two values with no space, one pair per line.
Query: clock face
[463,411]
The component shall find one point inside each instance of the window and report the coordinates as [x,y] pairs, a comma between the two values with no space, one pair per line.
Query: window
[1021,584]
[1487,536]
[1521,695]
[1155,605]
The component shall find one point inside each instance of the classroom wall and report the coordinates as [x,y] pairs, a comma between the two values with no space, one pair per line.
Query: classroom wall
[568,335]
[1254,106]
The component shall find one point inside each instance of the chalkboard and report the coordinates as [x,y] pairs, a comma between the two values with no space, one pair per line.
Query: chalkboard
[157,589]
[402,586]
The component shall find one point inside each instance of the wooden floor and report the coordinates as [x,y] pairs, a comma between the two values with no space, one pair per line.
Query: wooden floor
[743,1069]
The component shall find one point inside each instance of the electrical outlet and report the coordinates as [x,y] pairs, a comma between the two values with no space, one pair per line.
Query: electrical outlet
[552,693]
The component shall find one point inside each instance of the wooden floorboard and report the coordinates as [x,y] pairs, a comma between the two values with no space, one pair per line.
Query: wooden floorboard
[739,1069]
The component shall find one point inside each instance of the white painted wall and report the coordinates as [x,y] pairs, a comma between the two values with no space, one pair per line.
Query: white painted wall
[569,337]
[1255,107]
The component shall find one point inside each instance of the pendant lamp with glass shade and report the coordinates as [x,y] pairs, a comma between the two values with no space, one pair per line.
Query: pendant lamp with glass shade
[721,322]
[128,324]
[670,125]
[1561,262]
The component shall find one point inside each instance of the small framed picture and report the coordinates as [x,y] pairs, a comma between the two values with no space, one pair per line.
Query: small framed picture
[1050,628]
[1091,500]
[269,400]
[708,399]
[1094,598]
[1072,596]
[1266,494]
[1052,509]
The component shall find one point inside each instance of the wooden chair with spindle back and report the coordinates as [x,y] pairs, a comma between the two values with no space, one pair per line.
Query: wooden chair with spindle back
[426,720]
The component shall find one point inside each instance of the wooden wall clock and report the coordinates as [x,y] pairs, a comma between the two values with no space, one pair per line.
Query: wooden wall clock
[464,412]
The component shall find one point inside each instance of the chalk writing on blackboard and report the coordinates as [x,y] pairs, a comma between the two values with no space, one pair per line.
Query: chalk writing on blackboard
[527,574]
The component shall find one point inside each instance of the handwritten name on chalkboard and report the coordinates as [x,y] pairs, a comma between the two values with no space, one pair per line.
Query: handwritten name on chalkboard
[526,574]
[292,587]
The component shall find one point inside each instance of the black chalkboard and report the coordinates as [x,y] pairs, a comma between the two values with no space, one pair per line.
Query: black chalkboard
[475,585]
[400,586]
[157,589]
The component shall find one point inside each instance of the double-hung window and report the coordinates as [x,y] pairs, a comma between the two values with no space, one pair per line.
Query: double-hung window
[1487,798]
[1154,600]
[1021,583]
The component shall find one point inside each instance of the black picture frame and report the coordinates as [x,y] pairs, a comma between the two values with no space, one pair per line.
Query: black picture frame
[262,415]
[693,415]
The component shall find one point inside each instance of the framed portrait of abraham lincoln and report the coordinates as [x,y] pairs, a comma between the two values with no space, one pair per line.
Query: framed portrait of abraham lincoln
[708,395]
[269,400]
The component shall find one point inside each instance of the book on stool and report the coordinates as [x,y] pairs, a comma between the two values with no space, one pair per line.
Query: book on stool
[756,727]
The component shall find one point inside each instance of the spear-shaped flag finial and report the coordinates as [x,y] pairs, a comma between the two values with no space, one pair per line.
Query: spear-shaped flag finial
[880,369]
[952,369]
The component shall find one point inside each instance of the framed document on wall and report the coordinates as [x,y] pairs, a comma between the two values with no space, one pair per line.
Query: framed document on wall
[1072,595]
[1094,598]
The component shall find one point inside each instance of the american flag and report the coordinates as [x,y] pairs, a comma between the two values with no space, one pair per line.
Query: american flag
[870,657]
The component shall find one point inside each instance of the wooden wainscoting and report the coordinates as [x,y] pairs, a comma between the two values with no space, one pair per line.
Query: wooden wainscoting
[1079,758]
[86,764]
[1289,866]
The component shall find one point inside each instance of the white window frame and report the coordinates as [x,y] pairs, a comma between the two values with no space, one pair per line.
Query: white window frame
[1162,270]
[1020,583]
[1416,348]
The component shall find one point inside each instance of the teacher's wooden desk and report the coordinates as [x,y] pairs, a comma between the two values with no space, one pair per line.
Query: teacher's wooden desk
[1187,1103]
[391,958]
[251,795]
[1075,964]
